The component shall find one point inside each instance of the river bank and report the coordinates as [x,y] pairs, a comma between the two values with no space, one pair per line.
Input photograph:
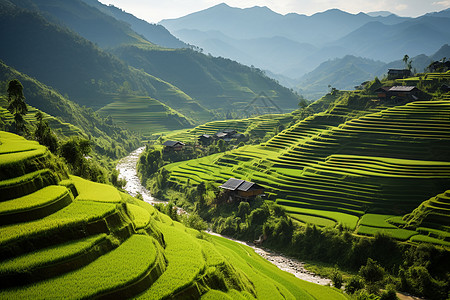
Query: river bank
[127,170]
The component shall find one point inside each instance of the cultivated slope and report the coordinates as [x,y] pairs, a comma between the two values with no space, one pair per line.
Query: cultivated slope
[385,162]
[65,237]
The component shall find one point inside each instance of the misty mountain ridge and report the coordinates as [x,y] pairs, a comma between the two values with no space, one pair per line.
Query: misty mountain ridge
[349,71]
[292,45]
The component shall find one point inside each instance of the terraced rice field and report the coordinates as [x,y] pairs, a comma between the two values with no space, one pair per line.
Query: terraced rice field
[144,115]
[255,127]
[63,237]
[383,162]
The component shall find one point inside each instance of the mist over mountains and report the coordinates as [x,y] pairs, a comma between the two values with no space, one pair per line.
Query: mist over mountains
[290,46]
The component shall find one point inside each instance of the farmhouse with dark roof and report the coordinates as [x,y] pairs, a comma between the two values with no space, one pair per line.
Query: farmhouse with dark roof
[241,189]
[173,146]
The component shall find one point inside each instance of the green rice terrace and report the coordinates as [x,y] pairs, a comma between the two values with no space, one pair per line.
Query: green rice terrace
[144,115]
[258,127]
[376,169]
[65,237]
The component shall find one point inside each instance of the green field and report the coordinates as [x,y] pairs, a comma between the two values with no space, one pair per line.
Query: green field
[103,243]
[144,115]
[338,165]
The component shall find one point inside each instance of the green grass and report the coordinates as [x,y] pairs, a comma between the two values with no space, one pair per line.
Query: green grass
[375,220]
[114,270]
[52,255]
[139,215]
[181,250]
[271,278]
[348,161]
[42,197]
[400,234]
[144,115]
[91,191]
[347,220]
[77,213]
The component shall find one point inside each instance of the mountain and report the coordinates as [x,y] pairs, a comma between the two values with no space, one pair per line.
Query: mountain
[66,118]
[292,45]
[218,84]
[256,22]
[89,22]
[187,81]
[382,13]
[340,73]
[282,51]
[77,68]
[388,42]
[154,33]
[349,71]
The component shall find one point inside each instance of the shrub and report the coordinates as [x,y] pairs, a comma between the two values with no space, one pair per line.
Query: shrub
[354,283]
[336,278]
[372,272]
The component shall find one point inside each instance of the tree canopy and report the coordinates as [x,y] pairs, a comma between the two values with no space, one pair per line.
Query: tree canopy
[17,105]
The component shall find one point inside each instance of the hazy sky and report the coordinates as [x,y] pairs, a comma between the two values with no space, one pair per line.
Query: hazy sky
[156,10]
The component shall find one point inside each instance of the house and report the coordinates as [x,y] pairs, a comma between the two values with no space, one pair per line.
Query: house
[241,189]
[409,92]
[382,92]
[173,146]
[205,139]
[404,92]
[398,73]
[225,134]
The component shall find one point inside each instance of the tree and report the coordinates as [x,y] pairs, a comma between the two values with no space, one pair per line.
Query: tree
[43,133]
[17,105]
[407,62]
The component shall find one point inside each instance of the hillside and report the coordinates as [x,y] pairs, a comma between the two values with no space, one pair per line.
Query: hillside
[144,115]
[66,237]
[293,45]
[67,118]
[154,33]
[217,83]
[358,158]
[349,71]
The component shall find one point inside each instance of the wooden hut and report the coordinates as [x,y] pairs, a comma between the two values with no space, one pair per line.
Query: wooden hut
[241,189]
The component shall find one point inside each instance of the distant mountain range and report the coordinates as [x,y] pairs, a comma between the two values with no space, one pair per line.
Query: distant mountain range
[349,71]
[289,46]
[93,57]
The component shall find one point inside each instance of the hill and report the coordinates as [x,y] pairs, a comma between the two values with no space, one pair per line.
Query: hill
[292,45]
[67,118]
[144,115]
[349,71]
[96,77]
[354,159]
[388,42]
[91,77]
[289,45]
[154,33]
[217,83]
[66,237]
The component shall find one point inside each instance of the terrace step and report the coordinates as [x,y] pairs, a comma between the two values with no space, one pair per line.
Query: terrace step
[34,206]
[75,221]
[121,273]
[53,261]
[26,184]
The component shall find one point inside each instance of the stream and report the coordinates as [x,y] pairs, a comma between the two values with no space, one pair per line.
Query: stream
[127,170]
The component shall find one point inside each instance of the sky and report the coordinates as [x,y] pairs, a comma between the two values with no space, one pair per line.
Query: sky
[155,10]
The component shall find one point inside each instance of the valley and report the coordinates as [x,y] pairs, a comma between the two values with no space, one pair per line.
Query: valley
[232,153]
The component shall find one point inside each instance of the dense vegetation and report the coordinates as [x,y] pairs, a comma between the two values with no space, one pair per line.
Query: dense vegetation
[66,237]
[363,168]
